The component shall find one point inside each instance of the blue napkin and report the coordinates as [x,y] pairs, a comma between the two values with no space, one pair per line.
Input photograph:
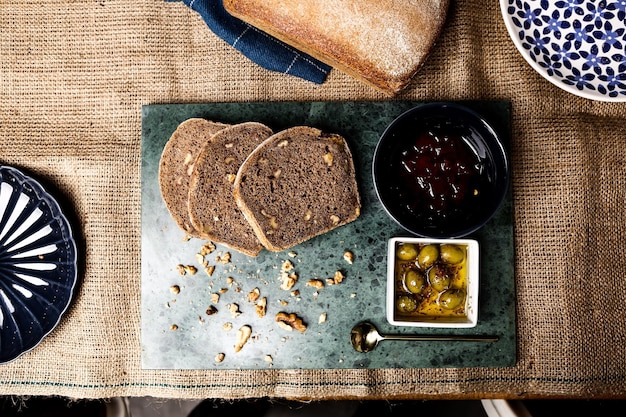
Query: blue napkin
[259,47]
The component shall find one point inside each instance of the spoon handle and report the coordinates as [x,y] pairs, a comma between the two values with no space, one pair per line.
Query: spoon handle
[442,338]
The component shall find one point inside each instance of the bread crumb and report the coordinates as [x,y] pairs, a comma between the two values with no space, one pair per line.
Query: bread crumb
[227,326]
[209,270]
[219,357]
[191,270]
[349,257]
[315,283]
[211,310]
[286,266]
[181,269]
[174,327]
[175,289]
[322,318]
[215,298]
[261,307]
[292,254]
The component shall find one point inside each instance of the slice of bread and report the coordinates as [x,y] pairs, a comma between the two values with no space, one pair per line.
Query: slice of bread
[381,43]
[176,164]
[296,185]
[212,208]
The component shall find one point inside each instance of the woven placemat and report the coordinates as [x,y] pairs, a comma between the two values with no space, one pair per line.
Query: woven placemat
[74,76]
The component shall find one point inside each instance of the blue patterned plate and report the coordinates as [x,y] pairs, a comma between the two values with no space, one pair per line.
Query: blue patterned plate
[578,45]
[38,268]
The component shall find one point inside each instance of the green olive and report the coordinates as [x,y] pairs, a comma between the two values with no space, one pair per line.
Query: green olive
[452,254]
[414,281]
[406,252]
[427,256]
[451,299]
[406,304]
[439,278]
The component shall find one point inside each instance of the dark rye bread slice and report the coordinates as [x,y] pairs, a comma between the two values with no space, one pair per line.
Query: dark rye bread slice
[176,164]
[298,184]
[212,208]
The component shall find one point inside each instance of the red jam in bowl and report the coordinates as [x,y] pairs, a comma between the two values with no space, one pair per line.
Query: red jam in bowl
[439,175]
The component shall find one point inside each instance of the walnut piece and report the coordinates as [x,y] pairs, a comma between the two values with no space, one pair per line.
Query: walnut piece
[234,309]
[254,295]
[207,248]
[243,334]
[290,321]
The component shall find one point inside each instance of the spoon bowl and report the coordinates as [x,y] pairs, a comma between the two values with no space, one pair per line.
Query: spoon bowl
[365,337]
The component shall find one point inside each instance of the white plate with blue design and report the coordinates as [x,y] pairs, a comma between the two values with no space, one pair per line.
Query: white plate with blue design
[38,263]
[578,45]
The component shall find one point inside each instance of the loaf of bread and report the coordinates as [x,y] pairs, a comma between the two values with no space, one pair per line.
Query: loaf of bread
[176,164]
[298,184]
[382,43]
[212,208]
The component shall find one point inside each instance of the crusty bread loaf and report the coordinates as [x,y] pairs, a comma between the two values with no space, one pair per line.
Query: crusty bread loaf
[176,164]
[297,184]
[212,208]
[382,43]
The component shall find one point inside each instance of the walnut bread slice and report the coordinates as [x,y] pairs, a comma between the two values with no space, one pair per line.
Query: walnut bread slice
[298,184]
[176,163]
[212,208]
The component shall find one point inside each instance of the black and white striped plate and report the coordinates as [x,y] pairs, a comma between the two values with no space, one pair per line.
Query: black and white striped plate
[38,263]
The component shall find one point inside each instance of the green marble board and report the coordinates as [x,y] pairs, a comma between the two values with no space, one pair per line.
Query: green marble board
[198,337]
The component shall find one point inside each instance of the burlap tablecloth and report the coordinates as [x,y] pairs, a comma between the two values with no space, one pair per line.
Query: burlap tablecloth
[73,77]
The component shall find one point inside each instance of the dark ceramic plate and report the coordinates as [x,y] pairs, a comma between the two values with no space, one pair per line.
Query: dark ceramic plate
[38,268]
[440,170]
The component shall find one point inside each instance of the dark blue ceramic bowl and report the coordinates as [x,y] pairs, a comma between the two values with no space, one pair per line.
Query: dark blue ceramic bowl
[440,170]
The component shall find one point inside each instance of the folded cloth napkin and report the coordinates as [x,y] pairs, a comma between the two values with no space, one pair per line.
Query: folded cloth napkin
[266,51]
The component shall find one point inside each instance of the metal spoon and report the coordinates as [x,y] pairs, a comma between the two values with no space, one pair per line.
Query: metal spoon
[365,337]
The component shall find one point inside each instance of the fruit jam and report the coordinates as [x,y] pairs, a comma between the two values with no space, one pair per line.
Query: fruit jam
[440,177]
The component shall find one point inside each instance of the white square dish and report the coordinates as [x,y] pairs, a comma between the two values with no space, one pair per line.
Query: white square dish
[432,282]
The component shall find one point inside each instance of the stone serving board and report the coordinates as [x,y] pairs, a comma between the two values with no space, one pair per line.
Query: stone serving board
[198,337]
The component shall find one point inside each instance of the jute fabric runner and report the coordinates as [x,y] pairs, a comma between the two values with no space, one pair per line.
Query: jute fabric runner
[73,78]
